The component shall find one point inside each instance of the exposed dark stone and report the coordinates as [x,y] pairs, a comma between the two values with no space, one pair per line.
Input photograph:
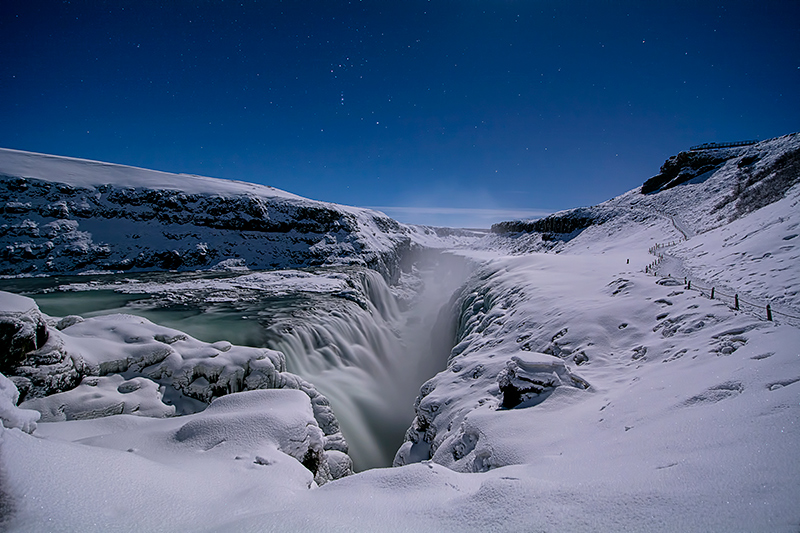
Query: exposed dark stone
[685,166]
[17,338]
[553,225]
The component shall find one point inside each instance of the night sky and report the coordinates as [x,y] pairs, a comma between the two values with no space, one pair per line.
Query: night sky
[446,112]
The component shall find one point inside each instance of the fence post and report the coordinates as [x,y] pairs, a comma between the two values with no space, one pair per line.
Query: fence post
[736,301]
[769,313]
[712,293]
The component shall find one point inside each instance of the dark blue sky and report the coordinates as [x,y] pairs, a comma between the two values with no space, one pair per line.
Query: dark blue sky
[430,106]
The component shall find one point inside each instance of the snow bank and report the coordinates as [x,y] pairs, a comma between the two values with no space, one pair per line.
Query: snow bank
[273,283]
[97,397]
[90,174]
[12,416]
[156,362]
[253,450]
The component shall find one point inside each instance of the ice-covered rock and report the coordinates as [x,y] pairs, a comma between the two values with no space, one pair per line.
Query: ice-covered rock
[157,362]
[528,380]
[32,357]
[22,329]
[252,419]
[96,397]
[12,416]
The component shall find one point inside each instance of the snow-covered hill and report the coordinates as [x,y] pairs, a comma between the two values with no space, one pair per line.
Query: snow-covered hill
[63,215]
[713,206]
[589,387]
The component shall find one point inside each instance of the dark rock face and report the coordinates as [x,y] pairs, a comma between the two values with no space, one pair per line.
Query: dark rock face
[686,166]
[555,226]
[50,228]
[20,334]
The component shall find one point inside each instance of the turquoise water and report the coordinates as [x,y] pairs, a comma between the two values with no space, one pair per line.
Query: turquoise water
[240,323]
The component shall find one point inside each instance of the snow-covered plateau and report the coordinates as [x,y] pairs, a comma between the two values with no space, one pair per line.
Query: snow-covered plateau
[630,366]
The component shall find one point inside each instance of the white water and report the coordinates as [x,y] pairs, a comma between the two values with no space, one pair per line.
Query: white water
[371,362]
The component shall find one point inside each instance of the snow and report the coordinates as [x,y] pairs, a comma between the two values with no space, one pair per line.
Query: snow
[15,304]
[12,416]
[132,473]
[91,174]
[583,392]
[277,283]
[756,254]
[97,397]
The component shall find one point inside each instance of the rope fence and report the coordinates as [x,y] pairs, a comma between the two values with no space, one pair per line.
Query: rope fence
[712,292]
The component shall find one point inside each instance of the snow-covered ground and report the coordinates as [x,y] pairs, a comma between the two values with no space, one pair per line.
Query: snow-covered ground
[65,215]
[582,393]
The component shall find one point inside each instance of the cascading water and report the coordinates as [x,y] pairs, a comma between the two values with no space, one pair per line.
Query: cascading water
[357,346]
[370,358]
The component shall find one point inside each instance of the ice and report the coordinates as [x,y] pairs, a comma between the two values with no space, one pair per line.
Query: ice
[12,416]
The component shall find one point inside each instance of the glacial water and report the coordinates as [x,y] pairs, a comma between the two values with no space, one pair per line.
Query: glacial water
[368,355]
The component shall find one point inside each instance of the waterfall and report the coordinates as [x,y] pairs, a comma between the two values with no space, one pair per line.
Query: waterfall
[369,358]
[366,349]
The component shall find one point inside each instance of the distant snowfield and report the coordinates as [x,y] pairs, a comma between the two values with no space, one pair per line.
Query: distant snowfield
[275,283]
[87,173]
[582,394]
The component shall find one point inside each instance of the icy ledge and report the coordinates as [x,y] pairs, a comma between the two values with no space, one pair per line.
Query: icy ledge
[122,364]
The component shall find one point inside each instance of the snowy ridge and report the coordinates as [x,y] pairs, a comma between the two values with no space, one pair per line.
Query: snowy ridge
[742,208]
[84,173]
[63,215]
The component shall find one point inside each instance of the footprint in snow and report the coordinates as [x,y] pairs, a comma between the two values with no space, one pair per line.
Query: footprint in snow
[781,384]
[716,393]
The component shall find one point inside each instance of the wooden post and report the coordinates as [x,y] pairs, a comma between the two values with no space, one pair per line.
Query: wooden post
[736,301]
[769,313]
[712,293]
